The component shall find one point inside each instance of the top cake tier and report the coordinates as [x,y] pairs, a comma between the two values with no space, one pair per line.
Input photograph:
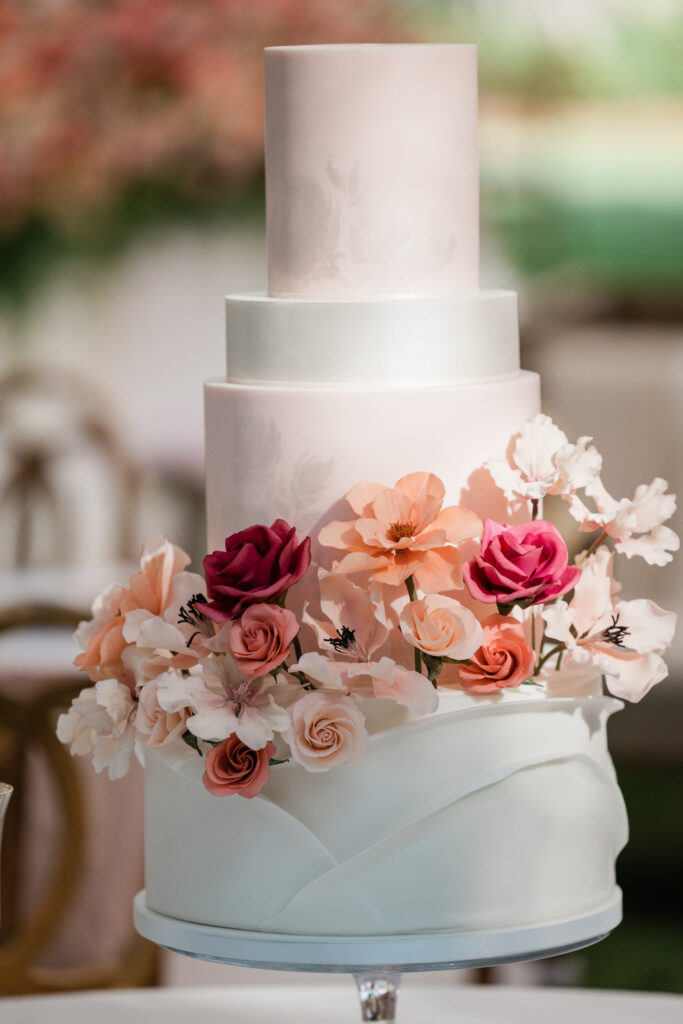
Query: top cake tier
[372,184]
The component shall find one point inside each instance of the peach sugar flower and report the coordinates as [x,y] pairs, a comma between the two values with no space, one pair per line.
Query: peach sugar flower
[354,627]
[103,638]
[403,531]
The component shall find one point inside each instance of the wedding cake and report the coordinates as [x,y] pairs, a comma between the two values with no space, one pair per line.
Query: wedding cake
[414,739]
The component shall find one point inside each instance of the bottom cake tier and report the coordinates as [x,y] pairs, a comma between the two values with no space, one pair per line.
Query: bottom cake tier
[492,816]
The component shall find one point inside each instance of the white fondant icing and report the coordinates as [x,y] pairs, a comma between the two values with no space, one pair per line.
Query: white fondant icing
[291,452]
[498,811]
[494,817]
[403,342]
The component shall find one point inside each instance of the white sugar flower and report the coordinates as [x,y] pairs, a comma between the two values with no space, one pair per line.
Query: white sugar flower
[225,703]
[100,723]
[623,640]
[157,723]
[636,525]
[544,462]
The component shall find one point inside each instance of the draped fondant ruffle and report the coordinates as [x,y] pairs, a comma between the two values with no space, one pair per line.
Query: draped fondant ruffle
[493,817]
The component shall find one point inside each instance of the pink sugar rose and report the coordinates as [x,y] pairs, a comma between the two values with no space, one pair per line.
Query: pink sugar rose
[526,563]
[259,640]
[504,658]
[326,730]
[258,565]
[233,767]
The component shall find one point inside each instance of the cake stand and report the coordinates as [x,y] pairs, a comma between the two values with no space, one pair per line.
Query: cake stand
[377,962]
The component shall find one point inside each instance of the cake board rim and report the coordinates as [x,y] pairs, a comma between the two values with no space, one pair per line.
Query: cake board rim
[425,951]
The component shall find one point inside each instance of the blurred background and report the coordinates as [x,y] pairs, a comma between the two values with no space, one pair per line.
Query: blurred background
[131,200]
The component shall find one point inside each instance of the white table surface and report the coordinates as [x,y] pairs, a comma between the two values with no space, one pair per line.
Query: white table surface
[337,1004]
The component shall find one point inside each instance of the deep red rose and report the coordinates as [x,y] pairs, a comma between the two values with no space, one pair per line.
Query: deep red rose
[527,563]
[233,767]
[258,565]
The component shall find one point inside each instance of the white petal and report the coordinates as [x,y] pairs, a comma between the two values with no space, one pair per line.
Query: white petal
[256,726]
[578,464]
[653,505]
[558,619]
[175,691]
[650,628]
[134,620]
[511,482]
[114,753]
[654,547]
[538,443]
[629,675]
[160,635]
[592,601]
[115,698]
[213,725]
[321,670]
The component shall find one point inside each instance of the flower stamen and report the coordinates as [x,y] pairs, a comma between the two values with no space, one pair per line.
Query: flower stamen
[397,531]
[191,616]
[616,634]
[345,640]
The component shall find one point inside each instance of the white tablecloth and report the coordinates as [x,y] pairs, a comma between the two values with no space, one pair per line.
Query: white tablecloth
[338,1004]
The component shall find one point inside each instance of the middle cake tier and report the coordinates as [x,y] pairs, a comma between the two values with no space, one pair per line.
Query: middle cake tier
[303,416]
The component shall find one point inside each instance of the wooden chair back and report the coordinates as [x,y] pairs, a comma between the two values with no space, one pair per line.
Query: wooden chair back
[27,727]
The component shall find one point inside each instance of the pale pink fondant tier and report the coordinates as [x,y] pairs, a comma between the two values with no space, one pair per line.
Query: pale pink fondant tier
[293,453]
[372,170]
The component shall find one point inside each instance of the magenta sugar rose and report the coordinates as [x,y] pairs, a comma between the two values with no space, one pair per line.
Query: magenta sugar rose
[258,564]
[526,563]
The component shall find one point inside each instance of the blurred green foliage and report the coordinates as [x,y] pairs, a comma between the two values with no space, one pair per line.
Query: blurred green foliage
[646,951]
[629,53]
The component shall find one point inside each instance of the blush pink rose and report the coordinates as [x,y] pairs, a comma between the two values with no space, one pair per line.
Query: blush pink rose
[527,563]
[441,626]
[258,565]
[326,730]
[156,725]
[259,641]
[504,658]
[233,767]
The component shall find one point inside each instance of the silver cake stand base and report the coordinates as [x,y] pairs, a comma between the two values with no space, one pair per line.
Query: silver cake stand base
[377,962]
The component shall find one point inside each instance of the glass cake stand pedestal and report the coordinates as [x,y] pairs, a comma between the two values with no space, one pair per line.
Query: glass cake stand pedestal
[377,962]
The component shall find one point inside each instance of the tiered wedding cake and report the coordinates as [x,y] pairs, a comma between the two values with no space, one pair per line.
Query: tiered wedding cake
[380,710]
[374,355]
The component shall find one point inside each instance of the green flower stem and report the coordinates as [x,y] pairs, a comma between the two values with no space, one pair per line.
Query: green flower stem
[558,649]
[533,630]
[297,647]
[412,594]
[534,508]
[410,587]
[600,539]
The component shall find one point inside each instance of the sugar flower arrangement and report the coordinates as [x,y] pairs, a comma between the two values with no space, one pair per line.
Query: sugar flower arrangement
[420,599]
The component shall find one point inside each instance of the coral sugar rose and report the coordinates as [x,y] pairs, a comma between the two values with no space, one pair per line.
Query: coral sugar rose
[259,640]
[504,658]
[233,767]
[258,565]
[526,563]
